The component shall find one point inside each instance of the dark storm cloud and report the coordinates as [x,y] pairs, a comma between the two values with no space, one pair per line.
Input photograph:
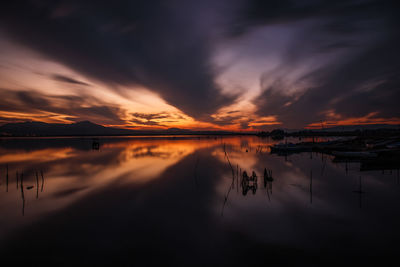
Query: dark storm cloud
[150,116]
[150,119]
[146,123]
[78,108]
[167,46]
[65,79]
[163,45]
[259,12]
[358,69]
[226,120]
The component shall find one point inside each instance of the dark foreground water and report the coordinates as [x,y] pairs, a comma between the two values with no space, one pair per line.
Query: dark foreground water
[178,201]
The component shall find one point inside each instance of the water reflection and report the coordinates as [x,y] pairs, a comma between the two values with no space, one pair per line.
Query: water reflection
[74,171]
[186,198]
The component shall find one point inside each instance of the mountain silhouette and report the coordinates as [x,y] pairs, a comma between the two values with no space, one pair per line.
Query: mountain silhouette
[59,129]
[87,128]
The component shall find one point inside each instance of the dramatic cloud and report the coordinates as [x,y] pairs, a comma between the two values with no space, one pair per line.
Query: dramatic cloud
[162,45]
[155,119]
[345,63]
[231,64]
[62,107]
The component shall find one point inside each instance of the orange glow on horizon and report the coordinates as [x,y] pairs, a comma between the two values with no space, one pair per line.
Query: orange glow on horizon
[370,119]
[31,92]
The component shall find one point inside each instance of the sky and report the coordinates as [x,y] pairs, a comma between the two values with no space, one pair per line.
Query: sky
[240,65]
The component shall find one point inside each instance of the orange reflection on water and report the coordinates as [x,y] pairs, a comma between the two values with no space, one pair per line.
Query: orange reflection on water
[73,171]
[43,155]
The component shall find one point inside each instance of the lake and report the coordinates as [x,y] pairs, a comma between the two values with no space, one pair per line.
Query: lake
[181,201]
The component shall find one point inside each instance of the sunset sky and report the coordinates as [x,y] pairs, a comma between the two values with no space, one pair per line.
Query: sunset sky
[226,64]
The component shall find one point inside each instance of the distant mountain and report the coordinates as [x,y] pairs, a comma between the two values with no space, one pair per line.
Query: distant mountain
[58,129]
[177,130]
[86,128]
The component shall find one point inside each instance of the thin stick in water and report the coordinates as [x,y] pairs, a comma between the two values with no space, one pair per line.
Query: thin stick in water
[41,173]
[22,194]
[37,185]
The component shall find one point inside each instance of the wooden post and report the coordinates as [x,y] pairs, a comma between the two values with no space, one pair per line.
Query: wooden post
[22,194]
[41,173]
[37,185]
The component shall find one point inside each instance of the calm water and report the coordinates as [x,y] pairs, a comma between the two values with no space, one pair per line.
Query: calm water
[178,201]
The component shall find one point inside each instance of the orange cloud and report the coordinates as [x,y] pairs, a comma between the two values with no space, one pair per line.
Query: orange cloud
[337,120]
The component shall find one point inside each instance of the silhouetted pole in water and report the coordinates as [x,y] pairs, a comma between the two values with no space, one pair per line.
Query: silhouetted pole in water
[266,183]
[269,197]
[22,194]
[237,178]
[232,183]
[37,185]
[41,173]
[16,176]
[230,165]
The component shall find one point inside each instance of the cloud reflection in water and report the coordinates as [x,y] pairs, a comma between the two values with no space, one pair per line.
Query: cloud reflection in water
[163,196]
